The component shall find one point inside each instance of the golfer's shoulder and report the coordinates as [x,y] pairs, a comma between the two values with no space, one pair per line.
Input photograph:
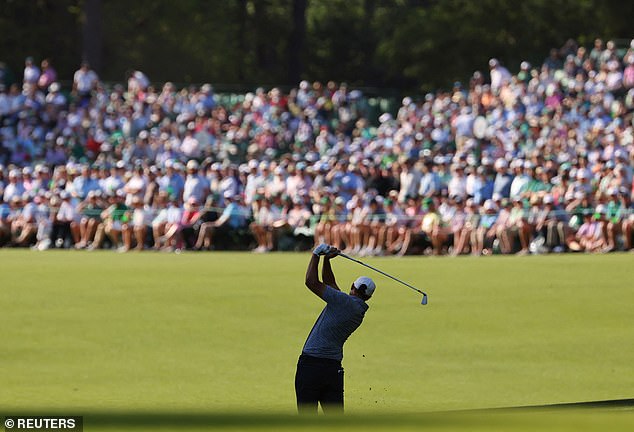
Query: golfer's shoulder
[332,295]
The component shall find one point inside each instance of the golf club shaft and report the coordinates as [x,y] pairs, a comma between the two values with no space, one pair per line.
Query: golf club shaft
[382,272]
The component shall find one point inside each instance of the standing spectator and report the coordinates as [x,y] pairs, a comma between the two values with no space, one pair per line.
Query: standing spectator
[85,82]
[409,180]
[31,72]
[48,76]
[499,75]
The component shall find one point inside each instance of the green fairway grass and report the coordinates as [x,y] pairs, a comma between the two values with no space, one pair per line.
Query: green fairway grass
[207,335]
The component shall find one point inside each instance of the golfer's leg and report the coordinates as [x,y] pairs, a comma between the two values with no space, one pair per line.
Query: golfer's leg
[332,397]
[307,388]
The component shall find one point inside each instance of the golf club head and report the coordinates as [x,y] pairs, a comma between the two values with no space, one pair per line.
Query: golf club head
[424,301]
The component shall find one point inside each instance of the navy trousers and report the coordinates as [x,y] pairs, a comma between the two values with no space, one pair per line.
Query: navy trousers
[318,380]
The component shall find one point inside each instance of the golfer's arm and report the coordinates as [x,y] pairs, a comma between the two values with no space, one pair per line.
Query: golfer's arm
[327,275]
[312,279]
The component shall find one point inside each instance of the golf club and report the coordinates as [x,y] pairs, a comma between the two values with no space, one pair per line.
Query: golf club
[423,302]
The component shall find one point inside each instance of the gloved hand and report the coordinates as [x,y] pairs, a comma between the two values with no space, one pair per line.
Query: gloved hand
[322,249]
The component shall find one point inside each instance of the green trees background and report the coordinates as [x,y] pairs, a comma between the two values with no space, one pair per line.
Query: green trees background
[403,44]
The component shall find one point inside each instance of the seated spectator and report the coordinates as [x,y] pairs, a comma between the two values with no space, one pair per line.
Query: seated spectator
[5,223]
[395,228]
[551,225]
[62,219]
[503,225]
[173,218]
[338,224]
[325,215]
[376,220]
[90,210]
[47,203]
[628,229]
[469,227]
[113,218]
[484,235]
[233,218]
[160,218]
[589,236]
[207,218]
[262,225]
[615,209]
[24,226]
[293,223]
[519,227]
[432,226]
[137,226]
[190,223]
[456,223]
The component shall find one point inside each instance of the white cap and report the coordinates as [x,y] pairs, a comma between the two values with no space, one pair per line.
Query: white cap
[366,282]
[501,163]
[489,205]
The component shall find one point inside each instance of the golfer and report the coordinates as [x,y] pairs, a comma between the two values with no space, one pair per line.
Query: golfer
[319,376]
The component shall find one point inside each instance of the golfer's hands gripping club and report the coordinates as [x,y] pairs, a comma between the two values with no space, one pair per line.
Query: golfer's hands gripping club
[322,249]
[326,250]
[332,252]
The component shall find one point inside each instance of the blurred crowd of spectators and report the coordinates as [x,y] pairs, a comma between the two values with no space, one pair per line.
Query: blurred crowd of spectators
[532,162]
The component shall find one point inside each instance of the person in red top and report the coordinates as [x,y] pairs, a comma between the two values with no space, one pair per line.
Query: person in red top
[189,222]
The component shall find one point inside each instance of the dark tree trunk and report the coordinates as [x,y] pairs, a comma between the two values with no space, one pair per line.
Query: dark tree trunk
[92,34]
[262,54]
[296,43]
[242,30]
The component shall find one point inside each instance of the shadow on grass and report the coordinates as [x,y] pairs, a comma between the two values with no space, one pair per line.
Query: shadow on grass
[125,420]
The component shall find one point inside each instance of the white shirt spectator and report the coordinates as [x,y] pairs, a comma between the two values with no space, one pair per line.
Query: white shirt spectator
[66,212]
[11,190]
[410,182]
[297,183]
[135,187]
[85,80]
[195,186]
[457,186]
[190,147]
[518,184]
[31,74]
[499,75]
